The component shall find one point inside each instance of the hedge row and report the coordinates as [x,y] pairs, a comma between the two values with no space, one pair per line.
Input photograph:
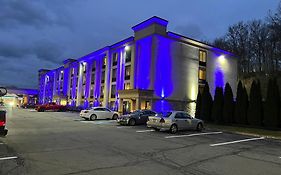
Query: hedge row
[245,110]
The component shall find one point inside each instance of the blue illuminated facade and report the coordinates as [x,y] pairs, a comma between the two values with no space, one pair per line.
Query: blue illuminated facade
[154,69]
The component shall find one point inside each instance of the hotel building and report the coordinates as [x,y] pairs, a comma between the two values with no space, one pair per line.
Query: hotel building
[154,69]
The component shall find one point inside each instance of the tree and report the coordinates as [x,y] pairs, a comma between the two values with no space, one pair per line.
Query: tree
[255,105]
[245,106]
[198,105]
[217,106]
[238,104]
[272,105]
[228,107]
[206,106]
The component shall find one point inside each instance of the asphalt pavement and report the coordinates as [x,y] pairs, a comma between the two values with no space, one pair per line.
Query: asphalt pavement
[61,143]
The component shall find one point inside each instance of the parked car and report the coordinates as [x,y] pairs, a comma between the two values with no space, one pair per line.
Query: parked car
[98,113]
[138,117]
[50,106]
[174,121]
[28,106]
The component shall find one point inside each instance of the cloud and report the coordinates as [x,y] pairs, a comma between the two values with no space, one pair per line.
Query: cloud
[190,30]
[16,13]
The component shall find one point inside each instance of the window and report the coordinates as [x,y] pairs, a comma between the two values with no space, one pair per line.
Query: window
[93,78]
[104,62]
[202,58]
[84,67]
[94,66]
[115,59]
[128,55]
[202,73]
[102,76]
[91,92]
[114,75]
[72,72]
[127,72]
[113,91]
[127,86]
[84,79]
[101,91]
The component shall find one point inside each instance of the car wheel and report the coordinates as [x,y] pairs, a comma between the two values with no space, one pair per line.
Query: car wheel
[93,117]
[114,117]
[174,129]
[132,122]
[41,110]
[199,127]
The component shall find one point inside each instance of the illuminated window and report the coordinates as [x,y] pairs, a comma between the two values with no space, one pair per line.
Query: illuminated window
[127,86]
[202,74]
[115,59]
[202,57]
[113,91]
[113,75]
[127,72]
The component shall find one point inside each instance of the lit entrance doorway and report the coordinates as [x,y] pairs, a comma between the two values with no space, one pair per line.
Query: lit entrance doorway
[134,99]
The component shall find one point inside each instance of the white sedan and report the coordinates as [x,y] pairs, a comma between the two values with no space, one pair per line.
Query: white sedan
[98,113]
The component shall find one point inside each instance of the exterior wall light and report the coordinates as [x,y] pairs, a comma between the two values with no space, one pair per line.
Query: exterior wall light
[127,48]
[222,59]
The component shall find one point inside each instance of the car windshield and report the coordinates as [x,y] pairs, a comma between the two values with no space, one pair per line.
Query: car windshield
[164,114]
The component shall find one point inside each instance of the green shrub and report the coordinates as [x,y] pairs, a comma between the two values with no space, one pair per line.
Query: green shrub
[241,105]
[217,106]
[255,105]
[272,105]
[228,106]
[206,106]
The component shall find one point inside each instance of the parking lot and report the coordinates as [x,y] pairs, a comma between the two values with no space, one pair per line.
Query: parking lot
[62,143]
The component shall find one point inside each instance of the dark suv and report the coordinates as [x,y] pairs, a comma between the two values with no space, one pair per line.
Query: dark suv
[138,117]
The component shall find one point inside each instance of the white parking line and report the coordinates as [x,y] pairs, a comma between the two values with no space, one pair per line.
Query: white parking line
[8,158]
[122,127]
[191,135]
[237,141]
[150,130]
[1,143]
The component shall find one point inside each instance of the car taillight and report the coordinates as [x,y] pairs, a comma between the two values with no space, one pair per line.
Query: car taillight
[162,120]
[2,123]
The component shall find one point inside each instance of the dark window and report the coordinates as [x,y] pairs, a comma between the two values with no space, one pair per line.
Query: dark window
[113,91]
[93,78]
[115,59]
[102,76]
[114,75]
[127,72]
[128,55]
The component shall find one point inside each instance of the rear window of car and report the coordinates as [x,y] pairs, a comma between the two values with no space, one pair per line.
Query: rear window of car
[164,114]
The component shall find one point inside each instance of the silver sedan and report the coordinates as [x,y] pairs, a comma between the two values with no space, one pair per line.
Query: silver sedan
[174,121]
